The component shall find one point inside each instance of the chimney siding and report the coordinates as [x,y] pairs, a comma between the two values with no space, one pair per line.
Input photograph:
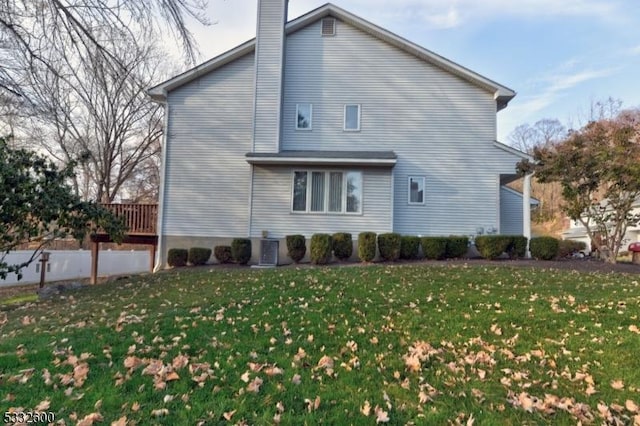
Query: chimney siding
[272,17]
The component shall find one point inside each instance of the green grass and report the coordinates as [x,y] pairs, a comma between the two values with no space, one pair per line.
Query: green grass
[23,298]
[426,345]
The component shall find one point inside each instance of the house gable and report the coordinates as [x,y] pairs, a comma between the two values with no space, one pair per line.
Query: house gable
[502,94]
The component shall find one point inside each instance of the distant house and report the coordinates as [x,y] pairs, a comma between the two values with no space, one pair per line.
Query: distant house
[577,232]
[329,123]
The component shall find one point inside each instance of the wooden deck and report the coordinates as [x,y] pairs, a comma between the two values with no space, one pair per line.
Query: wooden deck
[141,223]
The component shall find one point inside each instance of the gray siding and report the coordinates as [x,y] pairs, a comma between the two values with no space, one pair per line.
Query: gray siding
[440,126]
[272,205]
[510,212]
[268,81]
[209,132]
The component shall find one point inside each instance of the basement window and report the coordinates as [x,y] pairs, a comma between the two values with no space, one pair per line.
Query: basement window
[328,27]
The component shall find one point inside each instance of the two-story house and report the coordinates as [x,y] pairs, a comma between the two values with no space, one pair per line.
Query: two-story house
[329,123]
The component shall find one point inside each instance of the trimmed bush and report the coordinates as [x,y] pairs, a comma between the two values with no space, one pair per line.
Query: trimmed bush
[567,248]
[389,245]
[199,255]
[434,247]
[342,245]
[321,246]
[517,246]
[409,247]
[222,253]
[296,247]
[544,248]
[492,246]
[367,246]
[457,246]
[241,250]
[177,257]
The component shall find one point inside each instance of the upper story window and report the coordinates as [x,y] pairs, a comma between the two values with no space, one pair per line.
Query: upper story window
[304,116]
[416,190]
[352,118]
[335,192]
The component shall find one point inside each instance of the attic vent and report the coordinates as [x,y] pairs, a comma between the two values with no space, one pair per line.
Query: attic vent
[328,27]
[269,252]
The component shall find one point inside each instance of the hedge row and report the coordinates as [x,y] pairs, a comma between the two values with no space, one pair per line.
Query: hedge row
[391,247]
[239,252]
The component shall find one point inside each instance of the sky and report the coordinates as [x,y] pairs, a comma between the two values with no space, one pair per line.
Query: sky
[560,56]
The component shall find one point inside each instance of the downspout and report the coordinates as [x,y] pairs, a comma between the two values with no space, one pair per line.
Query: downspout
[161,194]
[526,211]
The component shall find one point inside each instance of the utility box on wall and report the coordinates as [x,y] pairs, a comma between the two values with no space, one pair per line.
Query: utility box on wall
[269,252]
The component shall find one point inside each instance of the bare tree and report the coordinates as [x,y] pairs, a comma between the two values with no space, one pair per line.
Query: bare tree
[100,114]
[30,29]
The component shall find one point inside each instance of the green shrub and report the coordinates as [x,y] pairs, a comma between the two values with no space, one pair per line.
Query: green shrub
[545,248]
[296,247]
[389,245]
[457,246]
[434,247]
[222,253]
[342,245]
[367,246]
[199,255]
[409,247]
[241,250]
[492,246]
[320,253]
[177,257]
[567,248]
[517,246]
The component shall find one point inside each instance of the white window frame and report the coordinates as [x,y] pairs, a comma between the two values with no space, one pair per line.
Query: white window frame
[424,190]
[325,210]
[344,124]
[310,117]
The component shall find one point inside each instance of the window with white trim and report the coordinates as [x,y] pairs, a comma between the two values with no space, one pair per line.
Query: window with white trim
[304,116]
[416,190]
[330,191]
[352,118]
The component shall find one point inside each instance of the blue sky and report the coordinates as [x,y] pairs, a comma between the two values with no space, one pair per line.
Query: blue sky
[560,56]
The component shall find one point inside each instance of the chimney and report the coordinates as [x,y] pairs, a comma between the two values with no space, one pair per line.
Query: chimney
[269,68]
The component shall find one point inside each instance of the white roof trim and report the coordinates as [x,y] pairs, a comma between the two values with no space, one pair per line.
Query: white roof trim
[372,162]
[502,94]
[512,150]
[532,201]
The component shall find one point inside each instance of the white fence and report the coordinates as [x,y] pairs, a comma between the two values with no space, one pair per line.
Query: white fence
[75,264]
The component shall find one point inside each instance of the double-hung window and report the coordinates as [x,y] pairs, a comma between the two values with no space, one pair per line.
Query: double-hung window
[416,190]
[334,192]
[304,116]
[351,118]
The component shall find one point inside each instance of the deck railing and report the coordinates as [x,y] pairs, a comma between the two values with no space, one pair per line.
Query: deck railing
[140,219]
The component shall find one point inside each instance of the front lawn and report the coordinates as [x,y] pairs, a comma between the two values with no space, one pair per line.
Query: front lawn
[343,345]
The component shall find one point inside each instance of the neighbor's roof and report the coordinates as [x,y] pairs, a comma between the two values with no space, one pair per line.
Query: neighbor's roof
[502,94]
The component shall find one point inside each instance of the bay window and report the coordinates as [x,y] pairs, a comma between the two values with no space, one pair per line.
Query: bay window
[327,192]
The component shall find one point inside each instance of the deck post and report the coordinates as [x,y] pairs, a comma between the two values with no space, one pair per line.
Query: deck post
[95,249]
[152,260]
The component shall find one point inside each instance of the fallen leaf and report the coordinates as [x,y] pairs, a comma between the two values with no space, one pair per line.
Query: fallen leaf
[617,384]
[366,408]
[381,415]
[172,376]
[631,406]
[296,379]
[44,405]
[254,386]
[228,415]
[161,412]
[90,419]
[122,421]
